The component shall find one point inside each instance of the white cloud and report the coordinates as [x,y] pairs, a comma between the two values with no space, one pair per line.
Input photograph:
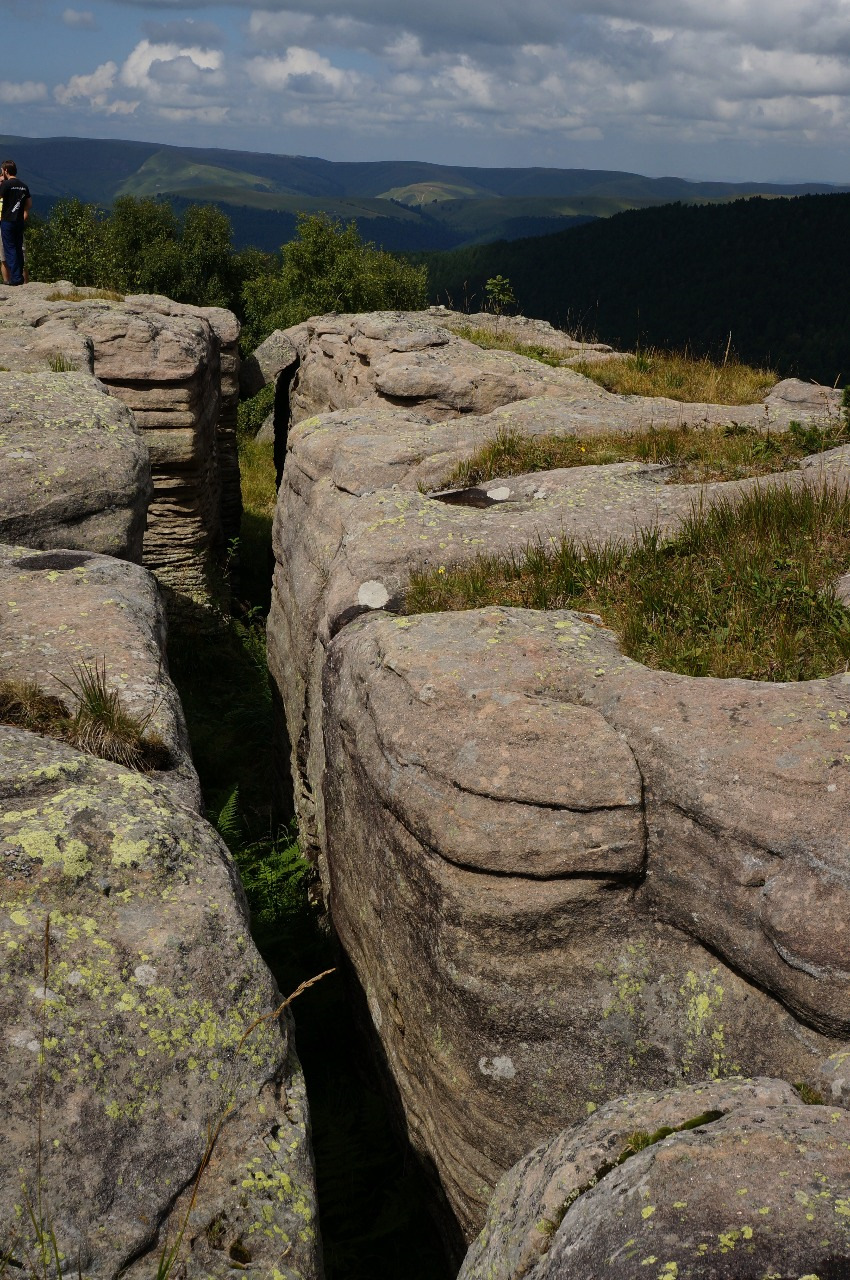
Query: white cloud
[304,71]
[82,18]
[22,92]
[624,73]
[136,71]
[93,90]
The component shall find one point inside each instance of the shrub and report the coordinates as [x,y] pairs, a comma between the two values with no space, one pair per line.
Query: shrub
[328,267]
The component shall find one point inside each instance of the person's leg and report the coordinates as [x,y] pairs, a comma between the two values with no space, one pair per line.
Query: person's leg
[13,237]
[24,262]
[3,268]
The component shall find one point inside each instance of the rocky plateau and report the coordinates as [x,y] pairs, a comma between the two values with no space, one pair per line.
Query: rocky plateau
[560,877]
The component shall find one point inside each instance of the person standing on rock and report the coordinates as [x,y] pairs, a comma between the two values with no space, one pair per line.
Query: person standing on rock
[15,204]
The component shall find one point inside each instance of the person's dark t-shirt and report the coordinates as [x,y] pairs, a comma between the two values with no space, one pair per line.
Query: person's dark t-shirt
[14,195]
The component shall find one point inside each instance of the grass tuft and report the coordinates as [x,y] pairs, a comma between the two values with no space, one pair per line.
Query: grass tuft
[651,372]
[90,295]
[697,454]
[742,590]
[491,340]
[101,725]
[680,376]
[58,363]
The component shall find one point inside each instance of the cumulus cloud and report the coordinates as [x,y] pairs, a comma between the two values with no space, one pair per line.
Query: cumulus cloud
[81,18]
[13,93]
[636,70]
[94,91]
[302,71]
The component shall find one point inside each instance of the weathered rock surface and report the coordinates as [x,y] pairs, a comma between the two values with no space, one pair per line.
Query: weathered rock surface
[153,982]
[760,1188]
[266,362]
[74,469]
[176,368]
[590,876]
[413,361]
[65,610]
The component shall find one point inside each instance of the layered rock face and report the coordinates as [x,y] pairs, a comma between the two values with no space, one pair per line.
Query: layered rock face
[559,875]
[150,1096]
[736,1179]
[176,368]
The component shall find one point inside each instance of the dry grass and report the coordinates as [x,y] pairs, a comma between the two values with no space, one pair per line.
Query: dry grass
[100,724]
[495,341]
[90,295]
[651,372]
[742,590]
[680,376]
[696,454]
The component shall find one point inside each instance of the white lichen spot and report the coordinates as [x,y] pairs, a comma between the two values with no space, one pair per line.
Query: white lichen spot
[373,594]
[145,975]
[499,495]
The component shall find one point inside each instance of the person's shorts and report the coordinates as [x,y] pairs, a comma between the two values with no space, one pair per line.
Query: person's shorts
[2,254]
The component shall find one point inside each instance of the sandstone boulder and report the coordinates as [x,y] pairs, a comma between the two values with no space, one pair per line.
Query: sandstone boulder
[747,1181]
[590,876]
[74,470]
[68,610]
[176,367]
[266,362]
[123,1066]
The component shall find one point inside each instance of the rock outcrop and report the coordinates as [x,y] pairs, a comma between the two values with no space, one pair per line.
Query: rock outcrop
[127,1054]
[746,1181]
[411,361]
[176,368]
[74,469]
[152,981]
[559,875]
[151,1097]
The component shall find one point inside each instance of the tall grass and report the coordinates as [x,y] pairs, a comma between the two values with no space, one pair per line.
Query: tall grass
[100,723]
[650,372]
[680,376]
[697,454]
[741,590]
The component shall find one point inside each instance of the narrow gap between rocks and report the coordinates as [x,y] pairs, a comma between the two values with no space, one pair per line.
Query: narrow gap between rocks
[372,1194]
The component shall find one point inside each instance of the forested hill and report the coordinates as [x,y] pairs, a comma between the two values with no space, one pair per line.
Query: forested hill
[400,204]
[773,273]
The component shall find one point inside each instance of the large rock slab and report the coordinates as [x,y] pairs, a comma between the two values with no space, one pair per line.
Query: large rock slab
[74,469]
[590,875]
[415,361]
[118,1070]
[760,1187]
[176,367]
[64,611]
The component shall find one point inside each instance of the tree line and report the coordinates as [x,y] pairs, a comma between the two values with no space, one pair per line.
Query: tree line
[770,272]
[144,246]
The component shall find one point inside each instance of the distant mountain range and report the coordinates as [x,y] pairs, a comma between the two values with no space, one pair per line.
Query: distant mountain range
[402,205]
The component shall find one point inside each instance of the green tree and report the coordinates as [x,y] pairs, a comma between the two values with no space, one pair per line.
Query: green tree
[499,293]
[328,267]
[69,245]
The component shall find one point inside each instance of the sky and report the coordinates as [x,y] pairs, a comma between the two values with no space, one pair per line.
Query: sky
[727,89]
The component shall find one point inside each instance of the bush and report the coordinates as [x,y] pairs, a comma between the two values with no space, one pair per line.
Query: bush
[328,267]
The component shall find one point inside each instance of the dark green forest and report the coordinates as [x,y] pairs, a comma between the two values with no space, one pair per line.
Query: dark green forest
[770,272]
